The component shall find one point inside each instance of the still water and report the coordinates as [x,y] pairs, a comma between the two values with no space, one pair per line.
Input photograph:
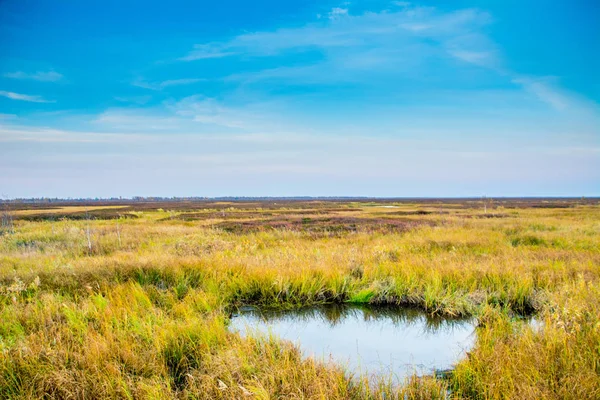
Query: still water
[373,341]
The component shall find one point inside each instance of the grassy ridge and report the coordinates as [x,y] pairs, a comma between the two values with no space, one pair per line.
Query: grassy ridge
[143,312]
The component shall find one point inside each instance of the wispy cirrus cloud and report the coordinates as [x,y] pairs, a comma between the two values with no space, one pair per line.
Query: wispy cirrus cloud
[395,43]
[473,57]
[135,120]
[198,114]
[354,48]
[206,51]
[165,84]
[547,90]
[252,117]
[42,76]
[24,97]
[343,30]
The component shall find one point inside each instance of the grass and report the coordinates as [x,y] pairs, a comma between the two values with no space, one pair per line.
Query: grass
[144,313]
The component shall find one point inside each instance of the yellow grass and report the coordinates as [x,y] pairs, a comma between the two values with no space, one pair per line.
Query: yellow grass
[144,313]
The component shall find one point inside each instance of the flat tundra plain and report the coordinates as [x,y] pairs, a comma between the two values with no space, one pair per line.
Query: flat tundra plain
[133,299]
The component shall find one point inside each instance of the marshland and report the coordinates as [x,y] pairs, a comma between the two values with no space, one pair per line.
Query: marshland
[140,299]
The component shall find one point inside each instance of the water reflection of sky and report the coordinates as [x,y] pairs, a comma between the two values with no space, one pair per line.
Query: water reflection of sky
[367,340]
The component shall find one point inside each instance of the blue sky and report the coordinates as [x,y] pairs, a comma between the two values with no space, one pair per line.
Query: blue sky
[284,98]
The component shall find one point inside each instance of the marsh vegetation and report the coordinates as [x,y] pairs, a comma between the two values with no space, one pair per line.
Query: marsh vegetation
[135,301]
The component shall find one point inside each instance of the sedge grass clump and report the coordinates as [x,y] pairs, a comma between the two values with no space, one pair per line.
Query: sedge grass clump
[557,357]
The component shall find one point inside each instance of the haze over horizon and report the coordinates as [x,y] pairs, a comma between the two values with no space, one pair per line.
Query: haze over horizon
[300,98]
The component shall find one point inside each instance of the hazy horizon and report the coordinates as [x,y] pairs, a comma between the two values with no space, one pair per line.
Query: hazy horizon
[242,199]
[365,98]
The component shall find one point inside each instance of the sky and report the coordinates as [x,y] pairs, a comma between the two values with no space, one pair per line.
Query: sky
[299,98]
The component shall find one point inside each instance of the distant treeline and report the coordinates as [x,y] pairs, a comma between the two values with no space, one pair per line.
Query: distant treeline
[175,199]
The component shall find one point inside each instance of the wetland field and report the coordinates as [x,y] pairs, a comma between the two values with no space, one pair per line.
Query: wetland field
[301,299]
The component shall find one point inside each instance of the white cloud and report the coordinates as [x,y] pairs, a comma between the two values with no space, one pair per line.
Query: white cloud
[547,90]
[482,58]
[243,135]
[338,12]
[24,97]
[196,114]
[237,159]
[415,26]
[132,120]
[43,76]
[396,43]
[206,51]
[245,117]
[15,134]
[345,36]
[164,84]
[543,89]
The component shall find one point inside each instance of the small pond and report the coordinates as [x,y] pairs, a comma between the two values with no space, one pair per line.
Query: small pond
[376,341]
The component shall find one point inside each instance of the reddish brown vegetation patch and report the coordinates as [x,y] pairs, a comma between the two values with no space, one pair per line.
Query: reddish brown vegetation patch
[237,214]
[78,215]
[322,225]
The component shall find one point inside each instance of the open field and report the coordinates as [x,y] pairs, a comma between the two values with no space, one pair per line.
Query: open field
[132,300]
